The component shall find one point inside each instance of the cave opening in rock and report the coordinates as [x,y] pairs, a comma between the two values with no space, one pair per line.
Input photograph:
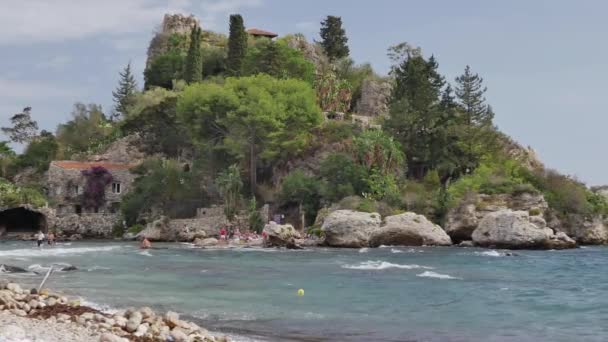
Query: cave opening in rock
[21,221]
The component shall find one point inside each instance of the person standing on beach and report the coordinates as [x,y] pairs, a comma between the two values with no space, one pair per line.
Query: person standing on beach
[40,238]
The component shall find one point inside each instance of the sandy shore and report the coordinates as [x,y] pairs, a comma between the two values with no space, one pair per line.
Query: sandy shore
[23,329]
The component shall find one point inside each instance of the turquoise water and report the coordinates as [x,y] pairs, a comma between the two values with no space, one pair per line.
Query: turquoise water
[385,294]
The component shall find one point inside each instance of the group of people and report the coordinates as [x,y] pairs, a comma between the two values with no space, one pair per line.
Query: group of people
[227,233]
[50,238]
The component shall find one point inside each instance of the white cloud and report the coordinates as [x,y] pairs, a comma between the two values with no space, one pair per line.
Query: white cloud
[34,21]
[214,10]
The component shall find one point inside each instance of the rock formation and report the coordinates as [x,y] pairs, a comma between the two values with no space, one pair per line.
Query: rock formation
[348,228]
[281,235]
[517,230]
[464,219]
[409,229]
[375,95]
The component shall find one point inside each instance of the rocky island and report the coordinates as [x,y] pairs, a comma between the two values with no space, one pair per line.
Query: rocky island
[258,141]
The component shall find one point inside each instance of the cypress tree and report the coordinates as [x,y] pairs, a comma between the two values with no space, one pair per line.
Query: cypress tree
[237,45]
[124,94]
[334,40]
[193,69]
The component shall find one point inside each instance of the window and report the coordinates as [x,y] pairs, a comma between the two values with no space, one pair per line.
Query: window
[78,209]
[115,188]
[78,189]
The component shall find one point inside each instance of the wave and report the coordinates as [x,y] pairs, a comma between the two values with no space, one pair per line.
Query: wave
[145,253]
[393,250]
[491,253]
[430,274]
[383,265]
[54,251]
[364,250]
[98,268]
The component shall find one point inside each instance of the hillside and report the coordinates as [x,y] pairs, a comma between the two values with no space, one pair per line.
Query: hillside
[248,119]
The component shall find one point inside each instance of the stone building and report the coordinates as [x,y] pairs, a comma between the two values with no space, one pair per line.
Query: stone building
[66,184]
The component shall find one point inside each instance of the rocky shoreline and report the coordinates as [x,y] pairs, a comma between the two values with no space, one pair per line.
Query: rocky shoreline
[28,315]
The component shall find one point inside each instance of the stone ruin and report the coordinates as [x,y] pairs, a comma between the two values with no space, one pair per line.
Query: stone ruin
[172,24]
[375,95]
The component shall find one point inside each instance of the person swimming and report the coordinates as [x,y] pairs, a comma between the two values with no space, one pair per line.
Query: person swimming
[145,244]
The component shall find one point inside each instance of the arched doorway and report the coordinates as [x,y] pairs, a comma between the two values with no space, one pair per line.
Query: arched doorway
[21,221]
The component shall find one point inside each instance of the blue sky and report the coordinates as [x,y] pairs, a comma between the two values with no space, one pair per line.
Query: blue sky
[544,62]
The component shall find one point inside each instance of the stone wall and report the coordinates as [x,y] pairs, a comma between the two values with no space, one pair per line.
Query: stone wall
[86,225]
[375,95]
[66,185]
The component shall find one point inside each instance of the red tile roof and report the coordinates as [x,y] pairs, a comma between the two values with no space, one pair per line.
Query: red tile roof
[76,165]
[258,32]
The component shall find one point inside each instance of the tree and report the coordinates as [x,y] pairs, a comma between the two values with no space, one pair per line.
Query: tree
[230,185]
[376,150]
[124,94]
[39,153]
[414,112]
[334,40]
[237,45]
[256,119]
[278,60]
[342,177]
[7,156]
[163,70]
[154,119]
[302,190]
[24,128]
[87,129]
[193,69]
[477,118]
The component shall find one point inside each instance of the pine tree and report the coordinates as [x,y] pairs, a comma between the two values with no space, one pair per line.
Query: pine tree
[24,129]
[270,62]
[334,40]
[193,69]
[237,45]
[476,127]
[124,94]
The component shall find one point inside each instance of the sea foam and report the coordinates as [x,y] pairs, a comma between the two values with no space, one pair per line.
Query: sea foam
[54,251]
[491,253]
[383,265]
[430,274]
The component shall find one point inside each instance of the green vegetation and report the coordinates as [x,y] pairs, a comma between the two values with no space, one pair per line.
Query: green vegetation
[124,94]
[12,195]
[193,68]
[333,38]
[226,119]
[237,45]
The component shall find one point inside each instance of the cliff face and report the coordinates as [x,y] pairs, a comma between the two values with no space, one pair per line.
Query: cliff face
[172,24]
[375,95]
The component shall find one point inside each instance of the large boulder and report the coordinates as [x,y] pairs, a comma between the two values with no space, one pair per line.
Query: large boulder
[348,228]
[155,231]
[462,220]
[281,235]
[409,229]
[516,230]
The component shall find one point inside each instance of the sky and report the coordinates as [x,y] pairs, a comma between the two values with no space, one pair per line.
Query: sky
[544,62]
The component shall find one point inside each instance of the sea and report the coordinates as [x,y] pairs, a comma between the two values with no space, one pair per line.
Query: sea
[382,294]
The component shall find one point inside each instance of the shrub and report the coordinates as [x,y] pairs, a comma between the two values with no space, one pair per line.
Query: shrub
[136,228]
[118,230]
[534,212]
[12,195]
